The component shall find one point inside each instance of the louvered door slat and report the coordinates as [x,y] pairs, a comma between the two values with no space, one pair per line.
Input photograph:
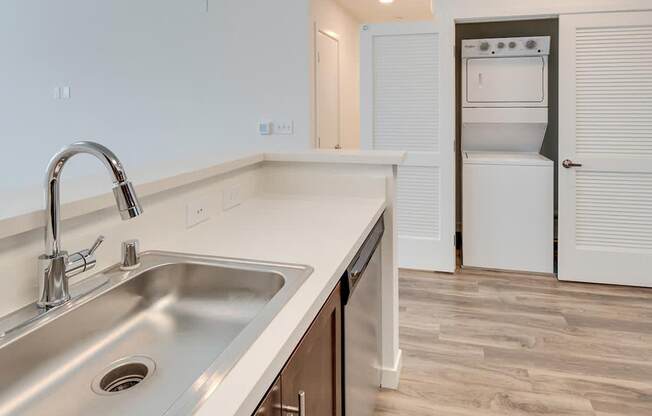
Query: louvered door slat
[406,93]
[400,84]
[606,205]
[418,202]
[630,121]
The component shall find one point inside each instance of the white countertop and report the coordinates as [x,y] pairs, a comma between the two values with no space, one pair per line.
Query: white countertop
[323,232]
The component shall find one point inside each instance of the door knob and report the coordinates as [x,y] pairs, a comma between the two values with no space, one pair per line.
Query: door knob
[570,164]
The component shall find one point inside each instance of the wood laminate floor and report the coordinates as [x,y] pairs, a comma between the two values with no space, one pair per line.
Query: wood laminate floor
[484,343]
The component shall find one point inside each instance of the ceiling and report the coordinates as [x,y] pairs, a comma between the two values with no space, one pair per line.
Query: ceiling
[372,11]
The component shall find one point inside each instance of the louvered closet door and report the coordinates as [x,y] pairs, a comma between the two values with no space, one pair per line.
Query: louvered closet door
[605,111]
[401,97]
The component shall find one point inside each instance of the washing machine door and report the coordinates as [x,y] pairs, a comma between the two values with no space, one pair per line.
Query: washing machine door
[506,81]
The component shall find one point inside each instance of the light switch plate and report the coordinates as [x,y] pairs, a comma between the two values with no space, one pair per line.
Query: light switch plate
[197,212]
[265,128]
[284,127]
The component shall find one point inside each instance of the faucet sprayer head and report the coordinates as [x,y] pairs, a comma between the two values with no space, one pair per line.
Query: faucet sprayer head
[127,201]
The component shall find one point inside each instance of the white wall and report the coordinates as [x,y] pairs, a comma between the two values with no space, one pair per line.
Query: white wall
[161,82]
[327,15]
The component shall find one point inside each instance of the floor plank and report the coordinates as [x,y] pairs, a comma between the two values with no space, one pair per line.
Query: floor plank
[488,343]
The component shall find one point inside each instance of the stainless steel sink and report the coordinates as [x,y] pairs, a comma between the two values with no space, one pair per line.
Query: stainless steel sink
[152,341]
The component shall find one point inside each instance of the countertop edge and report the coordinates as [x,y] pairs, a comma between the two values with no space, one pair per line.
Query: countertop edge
[365,157]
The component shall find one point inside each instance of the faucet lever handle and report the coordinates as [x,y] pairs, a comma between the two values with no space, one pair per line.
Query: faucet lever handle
[96,245]
[83,260]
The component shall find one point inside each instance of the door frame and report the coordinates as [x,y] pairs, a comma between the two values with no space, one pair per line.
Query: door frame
[447,260]
[317,30]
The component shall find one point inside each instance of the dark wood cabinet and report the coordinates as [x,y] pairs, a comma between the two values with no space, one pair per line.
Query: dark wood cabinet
[314,369]
[315,366]
[271,404]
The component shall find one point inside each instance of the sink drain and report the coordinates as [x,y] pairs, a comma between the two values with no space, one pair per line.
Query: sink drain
[123,375]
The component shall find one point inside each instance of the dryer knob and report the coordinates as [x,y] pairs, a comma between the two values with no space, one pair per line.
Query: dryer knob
[484,46]
[512,45]
[501,45]
[531,44]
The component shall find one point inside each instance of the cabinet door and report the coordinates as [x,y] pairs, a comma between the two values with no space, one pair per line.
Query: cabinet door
[315,366]
[271,404]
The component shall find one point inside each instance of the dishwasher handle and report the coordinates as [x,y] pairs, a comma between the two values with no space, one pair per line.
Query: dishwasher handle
[359,265]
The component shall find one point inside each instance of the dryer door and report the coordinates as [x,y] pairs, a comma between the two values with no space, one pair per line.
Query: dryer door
[506,82]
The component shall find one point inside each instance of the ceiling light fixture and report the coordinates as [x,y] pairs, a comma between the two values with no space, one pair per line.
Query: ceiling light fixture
[386,1]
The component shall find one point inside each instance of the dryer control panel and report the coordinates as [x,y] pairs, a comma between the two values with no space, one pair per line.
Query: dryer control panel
[529,46]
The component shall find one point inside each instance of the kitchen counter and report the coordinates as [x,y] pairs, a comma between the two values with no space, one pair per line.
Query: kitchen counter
[313,208]
[324,233]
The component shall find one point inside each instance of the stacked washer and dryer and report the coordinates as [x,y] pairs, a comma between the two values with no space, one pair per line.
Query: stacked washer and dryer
[508,186]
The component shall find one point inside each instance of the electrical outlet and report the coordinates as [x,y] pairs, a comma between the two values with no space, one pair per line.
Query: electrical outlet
[231,196]
[197,212]
[284,127]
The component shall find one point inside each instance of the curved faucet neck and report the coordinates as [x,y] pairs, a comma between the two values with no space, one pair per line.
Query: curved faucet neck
[52,188]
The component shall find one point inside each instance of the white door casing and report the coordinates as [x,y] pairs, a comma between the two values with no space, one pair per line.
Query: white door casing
[605,124]
[327,91]
[401,96]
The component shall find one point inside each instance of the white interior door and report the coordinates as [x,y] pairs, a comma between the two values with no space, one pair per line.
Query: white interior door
[400,110]
[327,92]
[605,124]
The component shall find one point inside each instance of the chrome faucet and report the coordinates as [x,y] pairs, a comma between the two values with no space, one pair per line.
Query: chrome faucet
[56,266]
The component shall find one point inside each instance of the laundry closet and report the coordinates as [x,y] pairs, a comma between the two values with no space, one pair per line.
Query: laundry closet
[507,141]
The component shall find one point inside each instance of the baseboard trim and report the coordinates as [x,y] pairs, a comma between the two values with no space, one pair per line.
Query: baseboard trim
[390,377]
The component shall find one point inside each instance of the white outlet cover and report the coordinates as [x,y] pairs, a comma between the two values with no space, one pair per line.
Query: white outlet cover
[197,212]
[231,196]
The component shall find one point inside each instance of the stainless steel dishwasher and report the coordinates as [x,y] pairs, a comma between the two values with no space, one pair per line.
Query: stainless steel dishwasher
[362,309]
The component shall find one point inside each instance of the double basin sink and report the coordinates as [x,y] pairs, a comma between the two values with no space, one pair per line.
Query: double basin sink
[156,340]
